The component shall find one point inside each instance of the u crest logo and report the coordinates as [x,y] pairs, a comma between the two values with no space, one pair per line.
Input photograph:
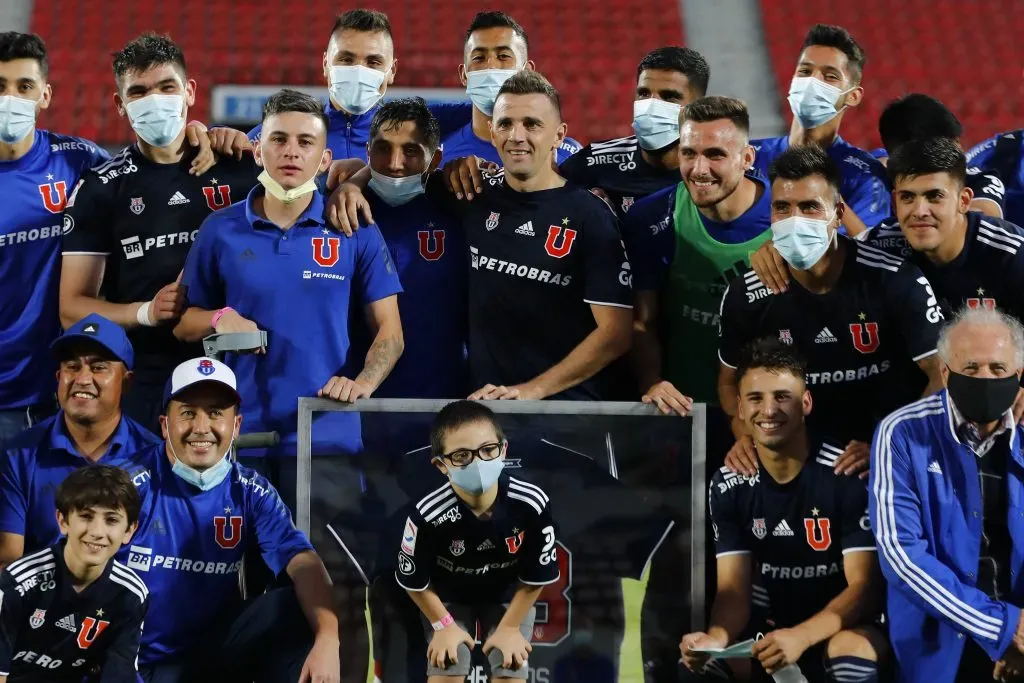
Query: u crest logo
[862,344]
[819,532]
[559,241]
[227,531]
[214,201]
[90,630]
[328,257]
[425,250]
[55,195]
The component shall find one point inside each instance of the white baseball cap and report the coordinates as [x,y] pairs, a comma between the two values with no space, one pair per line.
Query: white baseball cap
[196,371]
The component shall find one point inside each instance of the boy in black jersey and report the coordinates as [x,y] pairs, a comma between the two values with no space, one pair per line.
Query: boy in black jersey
[71,610]
[793,539]
[478,542]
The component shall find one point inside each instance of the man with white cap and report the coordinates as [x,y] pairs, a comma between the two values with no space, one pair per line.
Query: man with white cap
[200,511]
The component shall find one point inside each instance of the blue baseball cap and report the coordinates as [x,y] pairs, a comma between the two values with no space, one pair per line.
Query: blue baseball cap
[98,330]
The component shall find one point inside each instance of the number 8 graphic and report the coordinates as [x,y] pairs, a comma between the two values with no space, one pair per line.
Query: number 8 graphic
[554,603]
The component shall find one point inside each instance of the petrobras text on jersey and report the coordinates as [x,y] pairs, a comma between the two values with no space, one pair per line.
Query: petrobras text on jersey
[445,563]
[47,232]
[480,262]
[813,571]
[854,375]
[142,559]
[623,161]
[45,661]
[703,317]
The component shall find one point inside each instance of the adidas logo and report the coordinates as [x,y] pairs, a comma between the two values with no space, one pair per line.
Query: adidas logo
[526,229]
[825,337]
[486,545]
[248,255]
[68,623]
[934,468]
[178,198]
[783,529]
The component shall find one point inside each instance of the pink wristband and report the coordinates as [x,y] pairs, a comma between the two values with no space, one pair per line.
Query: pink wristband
[444,622]
[217,315]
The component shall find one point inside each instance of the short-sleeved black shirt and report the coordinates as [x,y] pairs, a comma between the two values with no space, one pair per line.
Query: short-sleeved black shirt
[797,532]
[861,339]
[538,261]
[479,561]
[51,633]
[144,216]
[987,184]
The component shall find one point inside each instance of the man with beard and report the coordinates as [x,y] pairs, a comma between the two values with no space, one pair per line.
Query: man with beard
[96,362]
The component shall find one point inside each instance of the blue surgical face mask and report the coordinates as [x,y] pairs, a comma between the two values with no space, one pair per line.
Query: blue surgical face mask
[813,101]
[483,86]
[208,478]
[477,476]
[656,123]
[396,191]
[17,118]
[356,89]
[802,241]
[157,119]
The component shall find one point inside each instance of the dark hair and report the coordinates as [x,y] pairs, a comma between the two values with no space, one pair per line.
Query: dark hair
[492,19]
[363,20]
[147,51]
[914,117]
[924,157]
[685,60]
[392,114]
[99,486]
[715,108]
[528,82]
[768,353]
[14,45]
[839,38]
[797,163]
[459,414]
[286,100]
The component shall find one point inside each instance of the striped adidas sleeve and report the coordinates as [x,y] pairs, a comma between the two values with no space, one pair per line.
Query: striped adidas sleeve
[728,529]
[538,556]
[10,620]
[416,554]
[903,551]
[915,309]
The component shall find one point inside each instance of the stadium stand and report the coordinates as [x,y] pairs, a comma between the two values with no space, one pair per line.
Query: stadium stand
[227,43]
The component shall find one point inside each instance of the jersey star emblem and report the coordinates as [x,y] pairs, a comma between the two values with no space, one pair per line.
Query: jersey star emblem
[430,226]
[862,316]
[213,181]
[515,530]
[565,221]
[49,176]
[99,612]
[815,511]
[227,511]
[981,291]
[326,231]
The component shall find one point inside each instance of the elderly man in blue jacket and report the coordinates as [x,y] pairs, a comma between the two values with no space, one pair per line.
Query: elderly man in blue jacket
[947,509]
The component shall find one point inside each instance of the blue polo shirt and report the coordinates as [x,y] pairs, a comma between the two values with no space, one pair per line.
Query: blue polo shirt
[463,142]
[36,461]
[428,248]
[296,284]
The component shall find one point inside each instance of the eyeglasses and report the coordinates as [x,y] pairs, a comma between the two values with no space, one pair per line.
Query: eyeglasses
[463,456]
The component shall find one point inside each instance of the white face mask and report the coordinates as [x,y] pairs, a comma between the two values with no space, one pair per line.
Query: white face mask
[656,123]
[396,191]
[483,86]
[157,119]
[802,241]
[17,118]
[206,479]
[356,89]
[275,189]
[813,101]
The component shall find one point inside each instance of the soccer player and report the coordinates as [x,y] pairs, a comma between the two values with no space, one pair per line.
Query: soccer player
[271,262]
[476,544]
[1003,155]
[775,546]
[628,169]
[685,243]
[861,317]
[495,48]
[71,609]
[130,222]
[38,170]
[827,82]
[95,365]
[201,512]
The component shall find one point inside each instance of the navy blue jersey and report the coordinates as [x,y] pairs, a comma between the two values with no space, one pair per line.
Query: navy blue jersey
[348,134]
[190,543]
[796,533]
[35,463]
[1003,156]
[987,185]
[861,338]
[296,284]
[52,633]
[650,235]
[428,250]
[618,168]
[988,272]
[463,142]
[865,186]
[35,189]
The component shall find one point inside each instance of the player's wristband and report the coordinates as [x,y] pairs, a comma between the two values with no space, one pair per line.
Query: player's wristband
[142,315]
[443,623]
[217,315]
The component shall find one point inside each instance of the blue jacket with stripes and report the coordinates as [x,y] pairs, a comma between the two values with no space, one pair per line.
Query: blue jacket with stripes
[926,512]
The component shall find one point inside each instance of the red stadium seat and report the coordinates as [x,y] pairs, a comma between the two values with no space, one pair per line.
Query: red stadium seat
[591,58]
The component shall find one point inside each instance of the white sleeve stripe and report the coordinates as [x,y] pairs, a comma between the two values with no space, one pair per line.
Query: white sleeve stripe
[129,575]
[926,354]
[29,559]
[130,586]
[436,512]
[532,502]
[351,557]
[432,496]
[85,253]
[607,303]
[871,549]
[414,590]
[26,574]
[999,231]
[879,254]
[1001,247]
[522,487]
[528,485]
[868,261]
[732,552]
[925,586]
[722,361]
[542,583]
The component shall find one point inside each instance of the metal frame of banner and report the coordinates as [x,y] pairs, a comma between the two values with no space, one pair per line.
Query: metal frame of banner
[698,455]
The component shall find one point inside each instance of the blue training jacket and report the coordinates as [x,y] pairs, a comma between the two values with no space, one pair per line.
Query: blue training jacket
[926,512]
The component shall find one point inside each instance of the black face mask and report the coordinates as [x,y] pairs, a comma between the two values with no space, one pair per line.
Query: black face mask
[982,399]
